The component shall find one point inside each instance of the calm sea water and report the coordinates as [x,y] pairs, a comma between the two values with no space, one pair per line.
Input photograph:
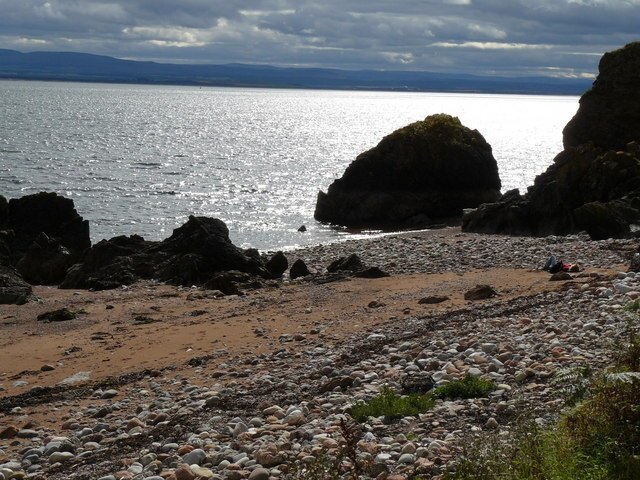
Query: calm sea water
[140,159]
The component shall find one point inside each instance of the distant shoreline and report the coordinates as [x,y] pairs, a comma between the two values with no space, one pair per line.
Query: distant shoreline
[89,68]
[289,87]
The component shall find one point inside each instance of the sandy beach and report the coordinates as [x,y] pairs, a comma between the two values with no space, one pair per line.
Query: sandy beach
[148,366]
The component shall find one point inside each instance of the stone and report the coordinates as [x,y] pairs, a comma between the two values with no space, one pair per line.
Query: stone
[418,173]
[9,432]
[352,263]
[202,472]
[491,424]
[259,474]
[277,264]
[480,292]
[296,417]
[407,458]
[60,457]
[184,472]
[432,300]
[196,457]
[298,269]
[60,315]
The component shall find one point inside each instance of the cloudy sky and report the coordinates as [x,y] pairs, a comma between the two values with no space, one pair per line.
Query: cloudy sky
[504,37]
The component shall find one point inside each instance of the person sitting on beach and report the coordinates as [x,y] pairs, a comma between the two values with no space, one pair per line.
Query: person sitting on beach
[554,265]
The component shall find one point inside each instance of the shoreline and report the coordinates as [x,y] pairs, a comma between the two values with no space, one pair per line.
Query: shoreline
[223,361]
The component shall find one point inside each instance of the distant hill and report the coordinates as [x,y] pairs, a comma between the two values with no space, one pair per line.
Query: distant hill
[84,67]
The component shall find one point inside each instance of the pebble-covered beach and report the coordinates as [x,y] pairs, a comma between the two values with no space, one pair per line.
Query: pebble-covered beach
[270,415]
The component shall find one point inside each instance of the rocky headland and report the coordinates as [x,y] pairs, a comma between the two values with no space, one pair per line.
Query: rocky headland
[594,184]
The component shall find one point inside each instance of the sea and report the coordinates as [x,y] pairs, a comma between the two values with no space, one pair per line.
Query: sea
[140,159]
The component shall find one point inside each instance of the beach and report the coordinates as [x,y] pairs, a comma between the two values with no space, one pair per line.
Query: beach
[153,380]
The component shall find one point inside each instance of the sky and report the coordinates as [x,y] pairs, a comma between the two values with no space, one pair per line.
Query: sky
[564,38]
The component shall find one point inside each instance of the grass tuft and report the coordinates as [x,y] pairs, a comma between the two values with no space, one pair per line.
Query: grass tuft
[392,406]
[468,387]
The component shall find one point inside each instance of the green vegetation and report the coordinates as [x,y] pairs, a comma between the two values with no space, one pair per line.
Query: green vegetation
[392,406]
[597,439]
[468,387]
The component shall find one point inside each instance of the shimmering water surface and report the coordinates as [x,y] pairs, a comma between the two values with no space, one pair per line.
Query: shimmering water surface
[140,159]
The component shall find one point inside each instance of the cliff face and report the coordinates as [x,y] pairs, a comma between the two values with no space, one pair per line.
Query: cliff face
[594,184]
[427,170]
[609,113]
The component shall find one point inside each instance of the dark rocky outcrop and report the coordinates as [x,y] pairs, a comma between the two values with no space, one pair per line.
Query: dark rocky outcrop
[594,184]
[192,255]
[352,263]
[48,213]
[431,169]
[233,282]
[586,188]
[111,264]
[609,113]
[42,235]
[371,272]
[13,289]
[45,262]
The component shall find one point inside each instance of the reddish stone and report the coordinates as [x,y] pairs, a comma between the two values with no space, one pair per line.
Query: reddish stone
[9,432]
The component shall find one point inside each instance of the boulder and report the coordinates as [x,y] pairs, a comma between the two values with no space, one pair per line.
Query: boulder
[431,169]
[199,248]
[352,263]
[480,292]
[277,264]
[13,289]
[298,269]
[593,185]
[609,113]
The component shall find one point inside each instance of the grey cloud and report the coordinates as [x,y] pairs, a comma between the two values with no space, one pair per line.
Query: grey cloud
[475,36]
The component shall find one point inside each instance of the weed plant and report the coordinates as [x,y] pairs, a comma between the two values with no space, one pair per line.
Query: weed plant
[392,406]
[468,387]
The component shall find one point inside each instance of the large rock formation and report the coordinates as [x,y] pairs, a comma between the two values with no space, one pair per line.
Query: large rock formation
[609,113]
[431,169]
[192,255]
[42,235]
[594,184]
